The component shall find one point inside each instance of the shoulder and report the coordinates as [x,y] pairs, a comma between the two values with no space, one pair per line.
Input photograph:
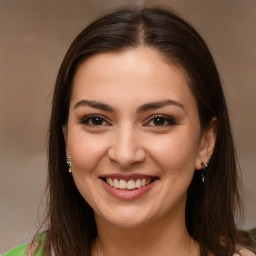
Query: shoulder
[33,249]
[17,251]
[244,252]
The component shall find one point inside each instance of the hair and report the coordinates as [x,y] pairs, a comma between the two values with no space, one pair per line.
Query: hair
[211,206]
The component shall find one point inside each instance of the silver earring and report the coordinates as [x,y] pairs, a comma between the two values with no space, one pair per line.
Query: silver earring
[68,159]
[204,168]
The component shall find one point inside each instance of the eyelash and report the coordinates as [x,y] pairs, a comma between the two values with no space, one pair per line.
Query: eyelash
[168,121]
[164,121]
[88,120]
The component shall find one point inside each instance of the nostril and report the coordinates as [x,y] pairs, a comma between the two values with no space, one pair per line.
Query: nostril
[126,156]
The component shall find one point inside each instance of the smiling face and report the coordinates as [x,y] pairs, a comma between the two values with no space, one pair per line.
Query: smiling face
[134,137]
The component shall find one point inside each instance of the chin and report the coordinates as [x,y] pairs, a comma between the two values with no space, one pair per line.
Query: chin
[126,218]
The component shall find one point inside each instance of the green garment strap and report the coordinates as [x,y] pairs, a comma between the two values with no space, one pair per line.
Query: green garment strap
[252,234]
[21,250]
[17,251]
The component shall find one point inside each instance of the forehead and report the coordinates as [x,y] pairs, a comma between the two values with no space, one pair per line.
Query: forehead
[136,75]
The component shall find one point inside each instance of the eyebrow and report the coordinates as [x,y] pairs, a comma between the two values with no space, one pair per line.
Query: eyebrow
[159,104]
[93,104]
[143,108]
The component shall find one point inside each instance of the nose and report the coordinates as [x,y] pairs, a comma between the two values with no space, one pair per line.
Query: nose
[127,148]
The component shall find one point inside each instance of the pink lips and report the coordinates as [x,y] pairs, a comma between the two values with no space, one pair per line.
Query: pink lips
[126,194]
[128,176]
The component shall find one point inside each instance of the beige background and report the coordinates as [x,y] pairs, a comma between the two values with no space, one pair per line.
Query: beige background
[34,36]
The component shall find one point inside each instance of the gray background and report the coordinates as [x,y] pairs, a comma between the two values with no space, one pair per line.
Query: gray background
[34,36]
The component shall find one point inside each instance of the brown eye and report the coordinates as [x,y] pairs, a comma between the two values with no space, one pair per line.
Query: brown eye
[94,120]
[161,120]
[97,121]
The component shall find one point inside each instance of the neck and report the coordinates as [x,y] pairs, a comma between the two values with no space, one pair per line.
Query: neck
[159,238]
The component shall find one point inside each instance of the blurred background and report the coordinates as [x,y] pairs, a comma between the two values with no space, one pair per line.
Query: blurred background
[34,37]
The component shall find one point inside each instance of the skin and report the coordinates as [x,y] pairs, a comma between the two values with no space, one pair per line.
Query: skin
[131,139]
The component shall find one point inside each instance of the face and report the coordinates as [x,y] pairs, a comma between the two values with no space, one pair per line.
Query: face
[134,137]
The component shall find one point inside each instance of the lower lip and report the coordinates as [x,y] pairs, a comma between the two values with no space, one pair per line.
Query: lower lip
[127,194]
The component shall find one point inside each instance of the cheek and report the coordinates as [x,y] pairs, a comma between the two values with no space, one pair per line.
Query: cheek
[86,152]
[176,152]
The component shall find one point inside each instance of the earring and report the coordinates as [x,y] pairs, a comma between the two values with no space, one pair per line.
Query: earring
[204,168]
[68,159]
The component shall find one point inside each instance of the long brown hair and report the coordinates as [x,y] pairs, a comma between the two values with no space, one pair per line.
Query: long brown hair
[211,206]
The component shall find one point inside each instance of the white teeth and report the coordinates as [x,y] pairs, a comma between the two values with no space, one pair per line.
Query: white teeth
[131,184]
[110,182]
[116,183]
[122,184]
[138,183]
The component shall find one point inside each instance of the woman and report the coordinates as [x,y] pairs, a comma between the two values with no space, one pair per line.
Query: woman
[141,156]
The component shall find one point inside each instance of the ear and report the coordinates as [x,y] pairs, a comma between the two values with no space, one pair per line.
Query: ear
[207,144]
[65,134]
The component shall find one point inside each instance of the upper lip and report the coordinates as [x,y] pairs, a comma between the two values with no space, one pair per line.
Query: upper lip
[127,177]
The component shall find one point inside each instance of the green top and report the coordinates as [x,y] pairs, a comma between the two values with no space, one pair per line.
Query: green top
[38,246]
[252,234]
[22,249]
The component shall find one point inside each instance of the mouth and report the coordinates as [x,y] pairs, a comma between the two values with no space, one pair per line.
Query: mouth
[129,183]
